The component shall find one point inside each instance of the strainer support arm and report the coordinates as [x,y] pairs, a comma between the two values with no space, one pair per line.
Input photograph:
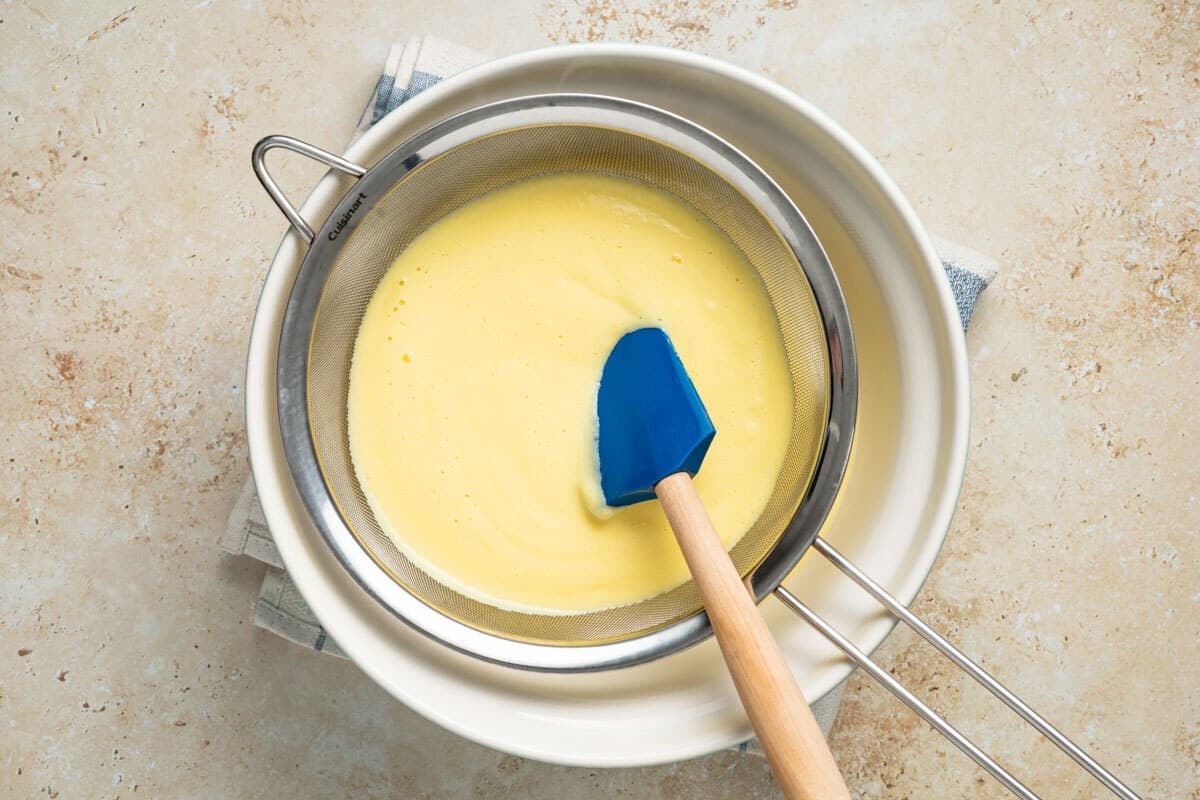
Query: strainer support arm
[1037,721]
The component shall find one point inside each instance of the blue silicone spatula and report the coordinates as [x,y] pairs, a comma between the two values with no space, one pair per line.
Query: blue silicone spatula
[654,434]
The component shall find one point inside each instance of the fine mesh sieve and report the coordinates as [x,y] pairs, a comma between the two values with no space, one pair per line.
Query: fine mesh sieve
[467,156]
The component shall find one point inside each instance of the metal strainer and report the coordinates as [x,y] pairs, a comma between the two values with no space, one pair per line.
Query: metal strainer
[467,156]
[463,157]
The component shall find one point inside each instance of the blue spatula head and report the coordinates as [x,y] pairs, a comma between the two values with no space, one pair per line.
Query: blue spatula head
[652,422]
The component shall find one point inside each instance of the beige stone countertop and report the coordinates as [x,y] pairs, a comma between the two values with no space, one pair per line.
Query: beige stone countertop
[1063,141]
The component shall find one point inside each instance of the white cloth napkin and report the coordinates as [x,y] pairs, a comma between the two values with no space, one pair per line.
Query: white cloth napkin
[411,68]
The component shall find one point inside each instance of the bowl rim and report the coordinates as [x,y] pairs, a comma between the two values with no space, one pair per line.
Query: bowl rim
[275,491]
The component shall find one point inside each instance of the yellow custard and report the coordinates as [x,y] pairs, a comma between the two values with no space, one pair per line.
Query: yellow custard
[473,389]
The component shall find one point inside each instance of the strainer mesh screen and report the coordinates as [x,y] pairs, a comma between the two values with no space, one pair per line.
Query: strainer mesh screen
[441,185]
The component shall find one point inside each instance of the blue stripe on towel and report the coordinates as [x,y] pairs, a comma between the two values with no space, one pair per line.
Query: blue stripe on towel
[966,287]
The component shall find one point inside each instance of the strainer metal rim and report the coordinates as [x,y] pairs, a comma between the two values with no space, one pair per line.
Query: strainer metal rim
[640,119]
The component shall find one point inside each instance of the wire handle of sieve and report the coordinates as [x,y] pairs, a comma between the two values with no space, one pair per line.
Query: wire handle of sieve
[258,161]
[963,662]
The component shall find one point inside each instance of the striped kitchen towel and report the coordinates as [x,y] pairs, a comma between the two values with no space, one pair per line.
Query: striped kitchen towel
[411,68]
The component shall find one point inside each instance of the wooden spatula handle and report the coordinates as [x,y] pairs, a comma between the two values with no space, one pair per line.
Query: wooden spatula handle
[795,748]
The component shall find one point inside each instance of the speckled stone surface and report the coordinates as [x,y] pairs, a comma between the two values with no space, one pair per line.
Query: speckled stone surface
[1063,141]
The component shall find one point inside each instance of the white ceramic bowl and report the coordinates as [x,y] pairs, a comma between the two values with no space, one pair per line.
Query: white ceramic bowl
[895,505]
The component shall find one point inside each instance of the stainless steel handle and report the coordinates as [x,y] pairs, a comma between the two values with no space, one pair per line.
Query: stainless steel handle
[911,700]
[258,160]
[954,654]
